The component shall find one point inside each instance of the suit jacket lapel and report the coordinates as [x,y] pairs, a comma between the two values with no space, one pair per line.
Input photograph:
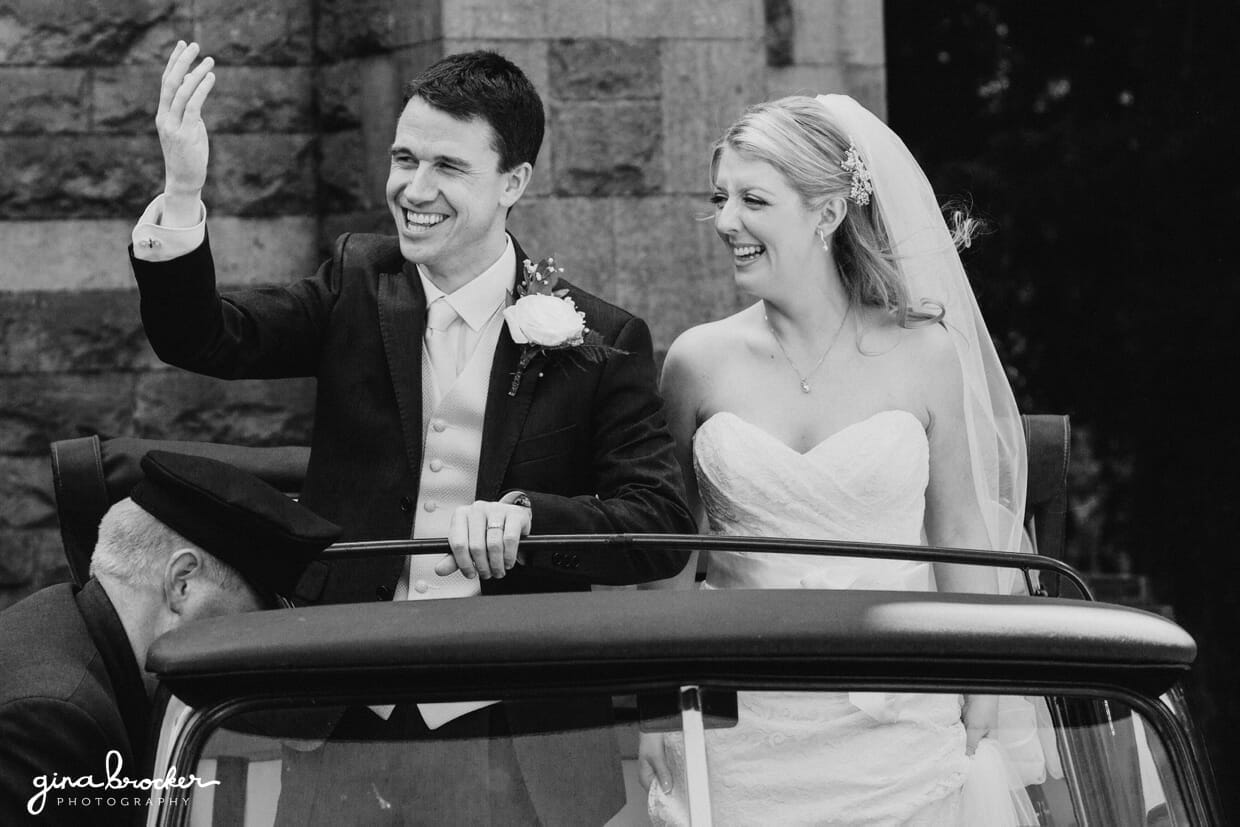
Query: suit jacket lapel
[402,322]
[505,415]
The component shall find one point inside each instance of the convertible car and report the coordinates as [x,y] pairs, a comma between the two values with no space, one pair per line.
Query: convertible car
[1097,728]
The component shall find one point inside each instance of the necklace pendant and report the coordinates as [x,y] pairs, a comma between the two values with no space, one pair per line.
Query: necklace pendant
[804,386]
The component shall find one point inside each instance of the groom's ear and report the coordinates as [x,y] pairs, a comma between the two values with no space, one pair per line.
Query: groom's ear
[833,213]
[515,182]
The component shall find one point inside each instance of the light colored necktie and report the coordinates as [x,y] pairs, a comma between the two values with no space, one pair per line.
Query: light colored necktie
[442,342]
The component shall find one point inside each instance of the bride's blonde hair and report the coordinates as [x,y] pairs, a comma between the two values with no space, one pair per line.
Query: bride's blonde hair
[795,136]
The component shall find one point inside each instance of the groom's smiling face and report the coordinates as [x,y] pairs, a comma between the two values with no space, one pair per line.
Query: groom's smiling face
[762,219]
[447,194]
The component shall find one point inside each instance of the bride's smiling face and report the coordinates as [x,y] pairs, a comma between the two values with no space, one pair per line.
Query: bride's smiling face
[765,223]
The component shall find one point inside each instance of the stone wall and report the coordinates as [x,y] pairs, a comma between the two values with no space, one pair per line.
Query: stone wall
[301,119]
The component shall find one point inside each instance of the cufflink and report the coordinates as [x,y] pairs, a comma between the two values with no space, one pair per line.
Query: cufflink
[149,243]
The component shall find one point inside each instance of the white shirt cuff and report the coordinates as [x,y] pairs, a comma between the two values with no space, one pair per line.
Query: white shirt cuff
[151,242]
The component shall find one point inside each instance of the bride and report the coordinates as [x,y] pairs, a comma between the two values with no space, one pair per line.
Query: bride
[859,399]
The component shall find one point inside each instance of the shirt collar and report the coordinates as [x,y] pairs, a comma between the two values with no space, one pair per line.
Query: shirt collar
[476,300]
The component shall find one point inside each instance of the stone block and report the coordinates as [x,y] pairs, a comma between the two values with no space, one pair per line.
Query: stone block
[577,232]
[780,32]
[868,84]
[245,99]
[30,559]
[611,149]
[26,492]
[65,255]
[806,79]
[706,86]
[124,99]
[39,409]
[92,255]
[59,332]
[506,19]
[78,32]
[262,175]
[685,18]
[410,60]
[601,69]
[275,32]
[16,559]
[816,36]
[344,181]
[671,268]
[263,99]
[256,251]
[64,176]
[354,28]
[181,405]
[43,100]
[576,18]
[340,89]
[861,32]
[152,45]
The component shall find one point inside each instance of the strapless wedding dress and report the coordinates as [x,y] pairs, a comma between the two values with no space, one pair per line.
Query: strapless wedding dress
[823,757]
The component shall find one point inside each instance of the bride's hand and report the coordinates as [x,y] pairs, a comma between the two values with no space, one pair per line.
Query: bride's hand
[980,715]
[652,762]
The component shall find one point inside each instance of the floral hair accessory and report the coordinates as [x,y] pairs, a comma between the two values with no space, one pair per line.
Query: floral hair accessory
[862,187]
[544,319]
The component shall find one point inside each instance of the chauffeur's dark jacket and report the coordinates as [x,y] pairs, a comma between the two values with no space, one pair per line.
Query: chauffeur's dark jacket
[70,691]
[587,440]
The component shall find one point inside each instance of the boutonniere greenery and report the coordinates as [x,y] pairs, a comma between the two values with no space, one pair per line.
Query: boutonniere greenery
[544,320]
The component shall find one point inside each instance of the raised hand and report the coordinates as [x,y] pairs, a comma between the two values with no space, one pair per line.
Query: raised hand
[182,134]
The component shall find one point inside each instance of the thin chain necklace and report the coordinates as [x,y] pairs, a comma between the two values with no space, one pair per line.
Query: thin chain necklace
[805,386]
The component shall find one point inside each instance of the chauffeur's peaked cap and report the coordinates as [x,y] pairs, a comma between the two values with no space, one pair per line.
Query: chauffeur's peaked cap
[266,536]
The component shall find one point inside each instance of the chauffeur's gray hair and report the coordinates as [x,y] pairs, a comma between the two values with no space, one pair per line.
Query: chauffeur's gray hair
[134,547]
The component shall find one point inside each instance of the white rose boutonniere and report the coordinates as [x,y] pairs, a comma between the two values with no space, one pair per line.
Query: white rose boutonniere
[544,319]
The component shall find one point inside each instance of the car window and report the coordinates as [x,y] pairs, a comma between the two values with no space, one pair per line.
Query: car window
[903,757]
[755,757]
[556,759]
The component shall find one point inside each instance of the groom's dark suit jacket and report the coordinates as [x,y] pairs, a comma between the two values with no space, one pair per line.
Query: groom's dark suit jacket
[586,440]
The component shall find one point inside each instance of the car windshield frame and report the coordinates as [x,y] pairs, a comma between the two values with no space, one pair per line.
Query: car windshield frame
[874,641]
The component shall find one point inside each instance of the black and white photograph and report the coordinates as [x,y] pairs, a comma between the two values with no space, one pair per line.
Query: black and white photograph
[631,413]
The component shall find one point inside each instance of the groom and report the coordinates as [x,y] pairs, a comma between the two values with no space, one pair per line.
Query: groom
[431,421]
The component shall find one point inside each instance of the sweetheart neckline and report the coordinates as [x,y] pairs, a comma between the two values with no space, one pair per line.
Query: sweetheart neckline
[822,441]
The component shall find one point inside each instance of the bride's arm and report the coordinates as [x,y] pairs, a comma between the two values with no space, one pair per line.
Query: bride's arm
[953,513]
[681,385]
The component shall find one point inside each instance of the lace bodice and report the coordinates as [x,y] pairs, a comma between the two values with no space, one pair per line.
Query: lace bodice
[865,483]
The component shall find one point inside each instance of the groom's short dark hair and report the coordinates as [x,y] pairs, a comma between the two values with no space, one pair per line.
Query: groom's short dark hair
[486,85]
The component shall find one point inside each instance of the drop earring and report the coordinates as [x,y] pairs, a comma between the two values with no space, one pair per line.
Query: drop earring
[826,242]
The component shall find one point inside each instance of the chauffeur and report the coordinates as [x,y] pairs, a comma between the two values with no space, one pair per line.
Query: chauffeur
[196,539]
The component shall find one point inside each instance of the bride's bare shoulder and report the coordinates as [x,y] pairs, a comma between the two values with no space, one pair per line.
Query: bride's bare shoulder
[704,344]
